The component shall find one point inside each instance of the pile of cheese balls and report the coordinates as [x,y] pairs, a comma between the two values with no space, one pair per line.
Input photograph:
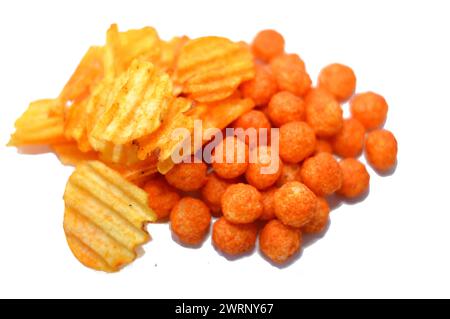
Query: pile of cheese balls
[318,151]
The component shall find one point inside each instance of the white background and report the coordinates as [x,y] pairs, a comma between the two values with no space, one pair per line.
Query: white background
[396,243]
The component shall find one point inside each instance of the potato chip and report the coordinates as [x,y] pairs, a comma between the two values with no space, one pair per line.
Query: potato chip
[105,217]
[137,108]
[87,74]
[170,50]
[211,68]
[75,125]
[124,47]
[40,124]
[221,114]
[162,141]
[139,171]
[70,154]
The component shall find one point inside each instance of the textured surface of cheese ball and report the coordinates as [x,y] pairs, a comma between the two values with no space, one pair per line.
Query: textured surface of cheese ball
[381,150]
[322,174]
[294,204]
[279,242]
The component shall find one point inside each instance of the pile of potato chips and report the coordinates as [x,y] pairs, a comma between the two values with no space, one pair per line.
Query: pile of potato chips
[114,119]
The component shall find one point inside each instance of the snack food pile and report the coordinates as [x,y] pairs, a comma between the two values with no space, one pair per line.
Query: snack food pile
[115,117]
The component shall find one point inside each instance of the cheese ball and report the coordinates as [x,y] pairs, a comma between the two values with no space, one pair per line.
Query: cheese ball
[322,174]
[268,200]
[279,242]
[294,204]
[370,109]
[290,73]
[161,196]
[234,158]
[339,80]
[285,107]
[289,173]
[323,113]
[234,239]
[189,220]
[263,170]
[254,119]
[297,141]
[241,204]
[261,88]
[381,150]
[349,142]
[267,44]
[212,192]
[323,146]
[355,178]
[320,220]
[187,176]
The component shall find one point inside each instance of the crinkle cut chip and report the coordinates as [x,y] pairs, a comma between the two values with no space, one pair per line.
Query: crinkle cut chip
[104,217]
[211,68]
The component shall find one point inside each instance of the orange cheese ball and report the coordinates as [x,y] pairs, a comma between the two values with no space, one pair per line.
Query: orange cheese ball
[381,150]
[323,113]
[187,176]
[355,178]
[234,239]
[254,119]
[289,173]
[212,192]
[323,146]
[161,196]
[339,80]
[279,242]
[285,107]
[234,159]
[349,141]
[263,170]
[290,73]
[261,88]
[297,141]
[370,109]
[242,204]
[322,174]
[294,204]
[189,220]
[320,219]
[267,44]
[268,200]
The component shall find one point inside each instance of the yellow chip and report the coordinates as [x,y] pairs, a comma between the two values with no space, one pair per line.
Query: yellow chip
[70,154]
[211,68]
[40,124]
[139,171]
[137,106]
[75,125]
[170,50]
[163,141]
[87,74]
[124,47]
[105,217]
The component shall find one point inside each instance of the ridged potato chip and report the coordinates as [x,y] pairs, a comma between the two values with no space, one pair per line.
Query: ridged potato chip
[221,114]
[105,217]
[70,154]
[211,68]
[87,74]
[124,47]
[75,125]
[170,50]
[139,172]
[40,124]
[138,106]
[162,142]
